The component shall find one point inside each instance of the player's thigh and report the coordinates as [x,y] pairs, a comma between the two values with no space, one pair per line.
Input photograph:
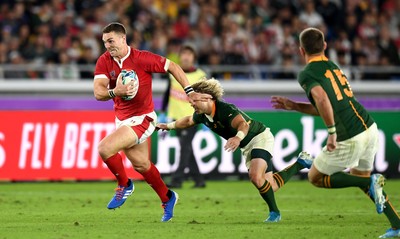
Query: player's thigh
[138,155]
[370,139]
[122,138]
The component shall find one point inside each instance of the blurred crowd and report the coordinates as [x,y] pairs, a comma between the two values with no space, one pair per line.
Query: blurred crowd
[237,32]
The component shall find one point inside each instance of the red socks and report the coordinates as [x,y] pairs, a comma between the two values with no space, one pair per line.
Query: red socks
[153,178]
[114,163]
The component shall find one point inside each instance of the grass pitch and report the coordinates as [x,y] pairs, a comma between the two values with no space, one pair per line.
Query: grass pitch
[222,210]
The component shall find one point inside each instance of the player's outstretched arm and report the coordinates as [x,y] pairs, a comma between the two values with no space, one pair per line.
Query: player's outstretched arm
[283,103]
[180,76]
[183,123]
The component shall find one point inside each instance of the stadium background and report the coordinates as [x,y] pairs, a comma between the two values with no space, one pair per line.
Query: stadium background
[50,122]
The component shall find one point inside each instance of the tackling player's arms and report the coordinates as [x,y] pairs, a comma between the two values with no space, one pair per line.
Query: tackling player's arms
[185,122]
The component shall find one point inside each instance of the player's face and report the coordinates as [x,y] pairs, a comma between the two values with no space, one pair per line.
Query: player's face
[202,107]
[114,43]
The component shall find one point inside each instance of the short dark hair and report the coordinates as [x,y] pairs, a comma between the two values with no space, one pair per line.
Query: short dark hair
[188,47]
[115,27]
[312,41]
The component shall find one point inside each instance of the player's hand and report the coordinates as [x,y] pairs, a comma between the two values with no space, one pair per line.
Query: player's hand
[232,144]
[279,102]
[125,90]
[331,142]
[195,96]
[161,126]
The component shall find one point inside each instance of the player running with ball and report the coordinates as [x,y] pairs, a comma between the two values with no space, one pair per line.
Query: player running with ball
[353,134]
[253,138]
[135,118]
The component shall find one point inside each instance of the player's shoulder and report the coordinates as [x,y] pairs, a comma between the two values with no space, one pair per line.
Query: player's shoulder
[104,57]
[304,74]
[141,53]
[225,107]
[145,56]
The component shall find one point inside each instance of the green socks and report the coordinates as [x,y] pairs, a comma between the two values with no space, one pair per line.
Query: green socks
[345,180]
[267,193]
[389,210]
[283,176]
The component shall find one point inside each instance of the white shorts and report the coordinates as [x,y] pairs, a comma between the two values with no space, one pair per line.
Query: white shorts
[142,125]
[264,140]
[357,153]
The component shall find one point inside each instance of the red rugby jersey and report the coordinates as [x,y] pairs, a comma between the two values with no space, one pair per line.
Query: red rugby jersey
[144,63]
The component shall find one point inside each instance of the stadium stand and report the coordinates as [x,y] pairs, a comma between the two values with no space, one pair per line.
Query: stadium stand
[61,39]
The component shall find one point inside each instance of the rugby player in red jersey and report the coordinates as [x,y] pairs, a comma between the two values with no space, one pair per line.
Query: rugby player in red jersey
[135,118]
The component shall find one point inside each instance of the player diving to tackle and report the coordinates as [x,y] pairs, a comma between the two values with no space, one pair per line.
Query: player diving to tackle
[253,138]
[353,134]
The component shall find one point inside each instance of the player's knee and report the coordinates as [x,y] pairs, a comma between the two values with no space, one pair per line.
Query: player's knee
[141,167]
[104,150]
[257,179]
[314,180]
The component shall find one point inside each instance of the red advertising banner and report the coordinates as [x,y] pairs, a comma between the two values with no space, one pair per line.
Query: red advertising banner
[55,145]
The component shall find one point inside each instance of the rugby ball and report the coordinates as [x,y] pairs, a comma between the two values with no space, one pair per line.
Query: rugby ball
[127,77]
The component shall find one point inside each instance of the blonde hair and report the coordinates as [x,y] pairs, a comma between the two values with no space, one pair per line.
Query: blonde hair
[211,87]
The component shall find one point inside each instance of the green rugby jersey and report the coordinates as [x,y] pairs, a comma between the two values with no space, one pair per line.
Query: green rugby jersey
[351,118]
[221,122]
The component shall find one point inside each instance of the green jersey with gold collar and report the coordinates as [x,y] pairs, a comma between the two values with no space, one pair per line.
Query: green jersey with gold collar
[351,118]
[221,122]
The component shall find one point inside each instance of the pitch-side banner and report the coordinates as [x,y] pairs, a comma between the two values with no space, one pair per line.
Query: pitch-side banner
[293,132]
[62,145]
[54,145]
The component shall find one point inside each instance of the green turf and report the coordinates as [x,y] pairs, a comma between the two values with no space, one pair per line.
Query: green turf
[222,210]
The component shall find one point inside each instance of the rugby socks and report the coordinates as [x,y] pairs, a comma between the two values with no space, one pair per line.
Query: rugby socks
[389,210]
[114,163]
[345,180]
[283,176]
[153,178]
[267,193]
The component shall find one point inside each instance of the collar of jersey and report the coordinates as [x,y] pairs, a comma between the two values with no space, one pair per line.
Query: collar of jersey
[318,58]
[123,58]
[210,117]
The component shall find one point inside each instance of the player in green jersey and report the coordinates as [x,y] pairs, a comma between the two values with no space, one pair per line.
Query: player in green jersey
[253,138]
[352,133]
